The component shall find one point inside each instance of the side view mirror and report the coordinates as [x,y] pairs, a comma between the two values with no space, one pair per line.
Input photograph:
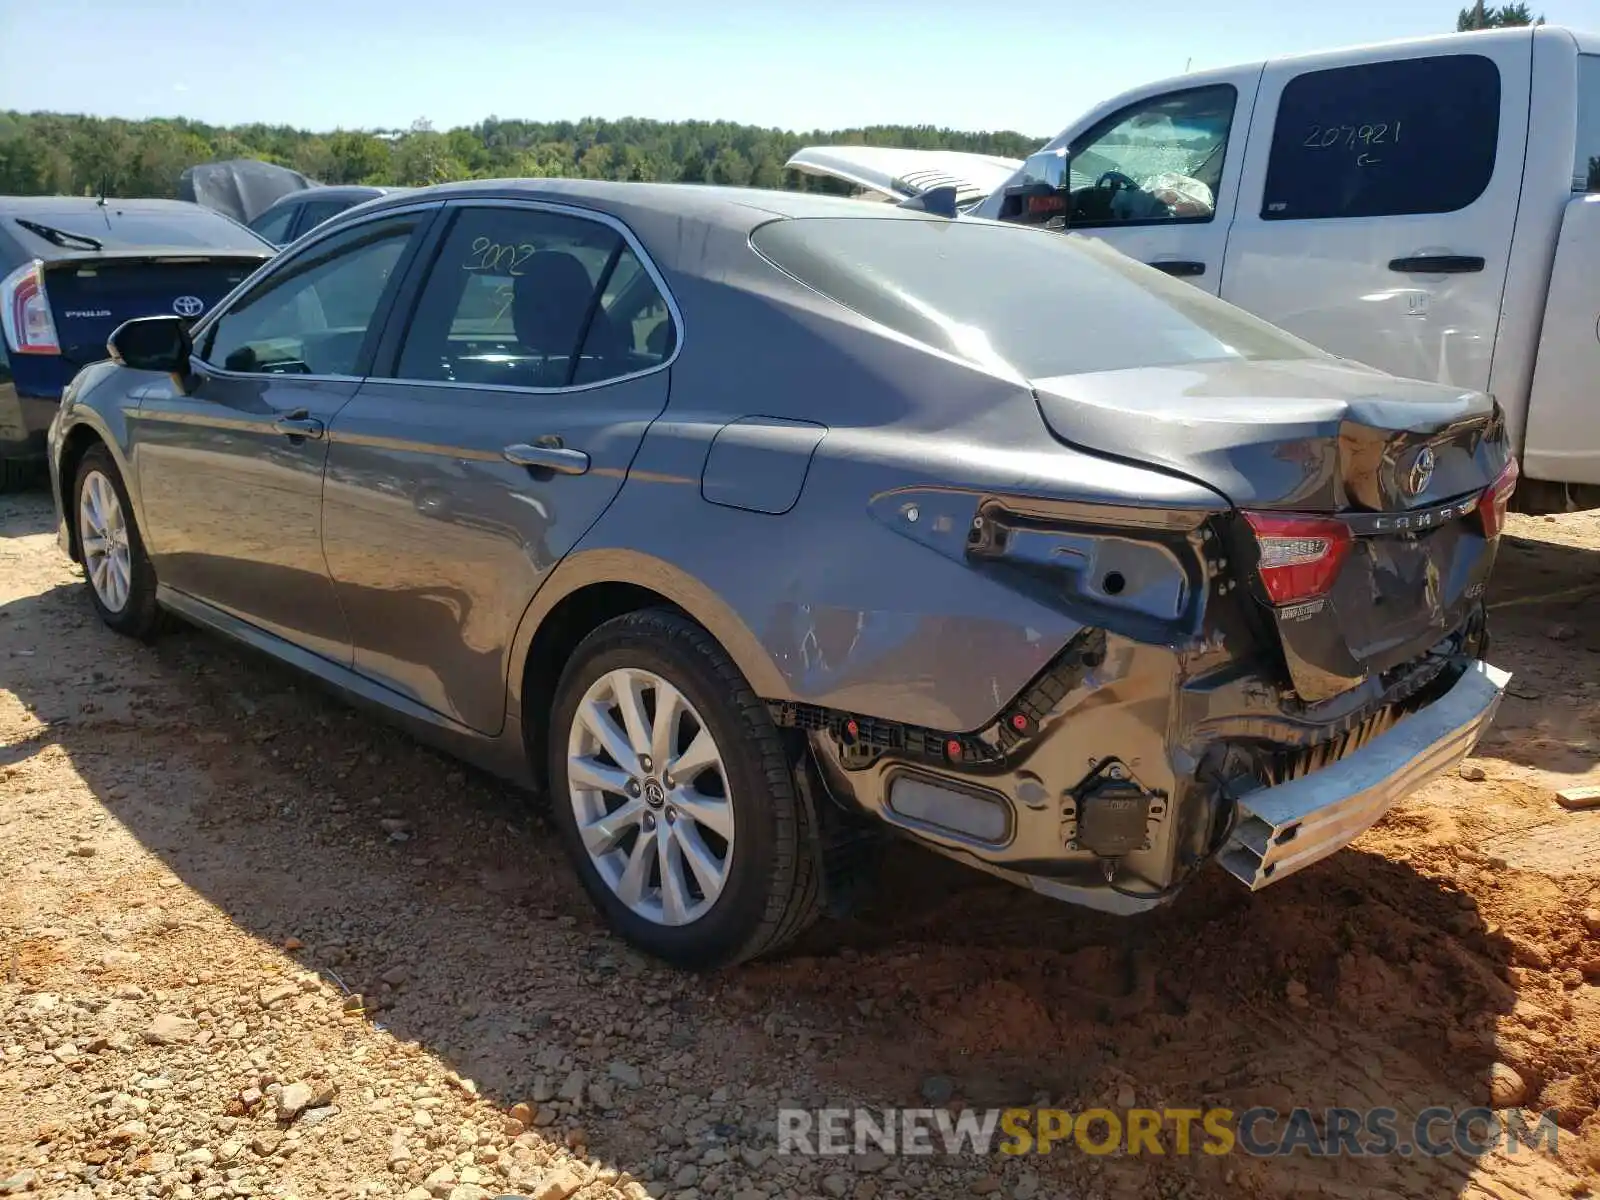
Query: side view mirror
[153,344]
[940,201]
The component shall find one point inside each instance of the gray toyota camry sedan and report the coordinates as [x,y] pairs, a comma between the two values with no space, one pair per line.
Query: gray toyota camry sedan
[746,526]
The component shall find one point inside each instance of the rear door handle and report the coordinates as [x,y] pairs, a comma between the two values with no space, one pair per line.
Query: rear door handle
[549,455]
[297,425]
[1183,268]
[1437,264]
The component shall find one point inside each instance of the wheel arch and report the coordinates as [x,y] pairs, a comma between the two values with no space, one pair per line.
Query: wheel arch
[591,588]
[75,443]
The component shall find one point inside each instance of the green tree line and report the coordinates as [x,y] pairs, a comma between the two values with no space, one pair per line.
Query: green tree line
[62,154]
[1507,16]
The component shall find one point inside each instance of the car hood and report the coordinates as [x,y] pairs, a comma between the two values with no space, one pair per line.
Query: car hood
[1314,435]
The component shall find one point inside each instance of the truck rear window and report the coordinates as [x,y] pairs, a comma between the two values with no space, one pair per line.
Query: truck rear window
[1043,304]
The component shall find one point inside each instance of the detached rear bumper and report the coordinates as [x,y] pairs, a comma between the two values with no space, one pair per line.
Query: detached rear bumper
[1281,829]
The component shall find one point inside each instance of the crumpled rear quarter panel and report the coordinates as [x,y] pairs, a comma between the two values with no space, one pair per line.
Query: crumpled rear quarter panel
[851,607]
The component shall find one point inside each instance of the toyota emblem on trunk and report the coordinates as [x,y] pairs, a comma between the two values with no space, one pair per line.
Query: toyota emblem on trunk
[188,306]
[1421,473]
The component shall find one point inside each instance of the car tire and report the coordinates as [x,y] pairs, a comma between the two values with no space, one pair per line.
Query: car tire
[714,867]
[122,583]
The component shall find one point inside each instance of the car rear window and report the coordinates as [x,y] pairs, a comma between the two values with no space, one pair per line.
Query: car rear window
[188,225]
[1043,304]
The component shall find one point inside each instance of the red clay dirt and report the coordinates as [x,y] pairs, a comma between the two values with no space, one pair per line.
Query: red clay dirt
[1451,957]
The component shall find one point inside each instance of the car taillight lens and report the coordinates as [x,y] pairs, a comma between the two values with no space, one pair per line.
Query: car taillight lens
[25,312]
[1300,556]
[1492,504]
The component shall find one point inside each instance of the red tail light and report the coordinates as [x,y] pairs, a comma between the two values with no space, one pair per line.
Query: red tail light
[1300,556]
[1492,504]
[25,312]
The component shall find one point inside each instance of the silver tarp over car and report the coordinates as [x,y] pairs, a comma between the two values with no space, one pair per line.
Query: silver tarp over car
[242,188]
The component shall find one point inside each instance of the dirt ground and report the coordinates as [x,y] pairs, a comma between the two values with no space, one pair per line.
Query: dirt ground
[201,854]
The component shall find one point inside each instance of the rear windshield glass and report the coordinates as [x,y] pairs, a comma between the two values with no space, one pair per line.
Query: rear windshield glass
[1043,304]
[188,225]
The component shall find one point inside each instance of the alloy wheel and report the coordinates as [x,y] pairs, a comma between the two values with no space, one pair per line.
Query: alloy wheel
[103,536]
[650,795]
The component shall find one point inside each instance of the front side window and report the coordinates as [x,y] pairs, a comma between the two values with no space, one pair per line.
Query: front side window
[314,316]
[530,298]
[1586,162]
[1383,139]
[1159,160]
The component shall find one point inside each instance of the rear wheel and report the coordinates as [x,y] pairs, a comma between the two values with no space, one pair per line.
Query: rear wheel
[122,583]
[675,797]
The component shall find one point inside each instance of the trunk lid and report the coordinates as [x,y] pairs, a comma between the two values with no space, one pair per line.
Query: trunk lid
[91,294]
[1361,533]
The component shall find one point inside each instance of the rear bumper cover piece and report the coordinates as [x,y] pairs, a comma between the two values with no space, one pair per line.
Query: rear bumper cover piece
[1282,829]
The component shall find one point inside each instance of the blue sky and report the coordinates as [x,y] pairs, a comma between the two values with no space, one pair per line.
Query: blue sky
[1031,65]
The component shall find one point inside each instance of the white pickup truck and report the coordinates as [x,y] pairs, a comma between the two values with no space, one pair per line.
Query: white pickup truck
[1429,207]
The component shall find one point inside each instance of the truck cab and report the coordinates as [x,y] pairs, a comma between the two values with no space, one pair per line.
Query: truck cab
[1429,207]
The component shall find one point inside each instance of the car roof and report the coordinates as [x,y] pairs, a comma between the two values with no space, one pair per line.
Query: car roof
[33,206]
[337,191]
[340,190]
[664,216]
[733,208]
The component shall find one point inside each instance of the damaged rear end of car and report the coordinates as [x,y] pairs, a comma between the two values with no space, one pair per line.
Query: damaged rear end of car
[1258,672]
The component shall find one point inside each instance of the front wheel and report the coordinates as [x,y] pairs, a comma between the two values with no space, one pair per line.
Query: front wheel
[122,583]
[675,798]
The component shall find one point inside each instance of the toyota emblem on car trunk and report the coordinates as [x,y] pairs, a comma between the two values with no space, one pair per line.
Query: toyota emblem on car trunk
[188,306]
[1421,473]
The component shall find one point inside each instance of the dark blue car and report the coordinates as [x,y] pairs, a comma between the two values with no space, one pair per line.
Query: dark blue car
[72,269]
[300,212]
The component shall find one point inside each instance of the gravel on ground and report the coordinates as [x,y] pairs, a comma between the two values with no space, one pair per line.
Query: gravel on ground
[254,943]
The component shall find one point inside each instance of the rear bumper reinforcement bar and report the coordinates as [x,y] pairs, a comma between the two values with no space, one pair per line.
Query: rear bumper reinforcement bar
[1281,829]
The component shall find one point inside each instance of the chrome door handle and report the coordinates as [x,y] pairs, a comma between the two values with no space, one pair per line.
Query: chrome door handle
[555,457]
[297,425]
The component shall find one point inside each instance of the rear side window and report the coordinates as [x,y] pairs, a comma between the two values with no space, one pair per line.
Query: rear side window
[1040,303]
[1586,163]
[535,299]
[1384,139]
